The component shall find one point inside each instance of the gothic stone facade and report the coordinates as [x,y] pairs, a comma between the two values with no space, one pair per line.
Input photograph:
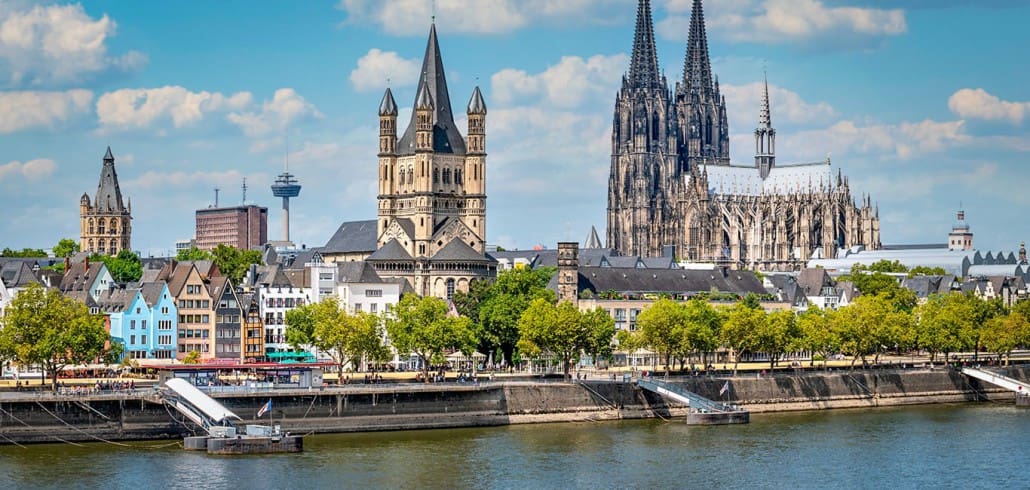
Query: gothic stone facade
[671,181]
[431,227]
[105,222]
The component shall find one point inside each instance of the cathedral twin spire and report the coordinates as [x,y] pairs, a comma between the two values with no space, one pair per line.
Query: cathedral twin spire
[643,65]
[697,68]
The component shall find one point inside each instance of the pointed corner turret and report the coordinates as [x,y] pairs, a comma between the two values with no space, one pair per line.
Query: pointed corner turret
[424,102]
[477,106]
[388,107]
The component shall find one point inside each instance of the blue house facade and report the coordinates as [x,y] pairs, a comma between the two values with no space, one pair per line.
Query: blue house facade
[142,320]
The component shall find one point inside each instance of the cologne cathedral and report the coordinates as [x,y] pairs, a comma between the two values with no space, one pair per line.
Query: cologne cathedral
[672,188]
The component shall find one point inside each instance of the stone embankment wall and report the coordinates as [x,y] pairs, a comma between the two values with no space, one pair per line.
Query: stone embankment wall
[36,418]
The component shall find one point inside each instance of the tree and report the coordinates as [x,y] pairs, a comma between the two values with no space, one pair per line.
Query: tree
[816,336]
[422,326]
[738,332]
[25,253]
[943,324]
[496,307]
[776,335]
[922,270]
[233,262]
[66,247]
[867,326]
[661,328]
[41,327]
[702,325]
[300,326]
[1002,334]
[347,338]
[884,266]
[124,267]
[559,330]
[193,357]
[600,327]
[193,253]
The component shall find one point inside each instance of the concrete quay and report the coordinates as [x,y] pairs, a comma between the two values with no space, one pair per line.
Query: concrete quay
[46,418]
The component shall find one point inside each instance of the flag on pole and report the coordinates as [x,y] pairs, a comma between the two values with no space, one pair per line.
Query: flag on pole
[267,407]
[723,390]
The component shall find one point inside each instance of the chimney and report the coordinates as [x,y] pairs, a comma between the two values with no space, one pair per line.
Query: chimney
[87,264]
[67,263]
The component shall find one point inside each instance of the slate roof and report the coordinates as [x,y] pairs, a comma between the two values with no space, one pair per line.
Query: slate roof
[216,286]
[360,272]
[78,277]
[391,251]
[17,274]
[476,103]
[108,198]
[388,107]
[597,279]
[298,278]
[304,257]
[152,292]
[457,250]
[812,281]
[114,300]
[351,236]
[446,138]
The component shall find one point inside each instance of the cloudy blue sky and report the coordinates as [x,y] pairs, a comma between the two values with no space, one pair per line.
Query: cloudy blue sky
[924,103]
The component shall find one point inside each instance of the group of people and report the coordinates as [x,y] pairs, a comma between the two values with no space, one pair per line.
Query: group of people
[99,387]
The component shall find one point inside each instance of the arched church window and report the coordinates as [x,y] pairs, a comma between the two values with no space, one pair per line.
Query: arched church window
[446,176]
[436,176]
[101,226]
[450,288]
[457,176]
[91,228]
[654,127]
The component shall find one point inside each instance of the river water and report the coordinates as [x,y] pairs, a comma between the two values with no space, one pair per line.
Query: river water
[943,446]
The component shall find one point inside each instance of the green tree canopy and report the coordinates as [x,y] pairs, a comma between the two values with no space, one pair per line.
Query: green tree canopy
[600,327]
[738,331]
[300,326]
[66,247]
[661,328]
[777,335]
[943,324]
[885,266]
[559,330]
[869,326]
[25,253]
[233,262]
[702,325]
[124,267]
[41,327]
[922,270]
[816,336]
[1002,334]
[495,308]
[422,326]
[193,253]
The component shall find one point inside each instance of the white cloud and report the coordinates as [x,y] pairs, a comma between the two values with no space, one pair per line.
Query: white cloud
[56,44]
[786,21]
[31,170]
[24,110]
[743,103]
[141,108]
[377,66]
[285,107]
[904,140]
[979,104]
[569,83]
[411,17]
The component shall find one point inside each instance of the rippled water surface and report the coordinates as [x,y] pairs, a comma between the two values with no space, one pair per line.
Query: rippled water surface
[954,446]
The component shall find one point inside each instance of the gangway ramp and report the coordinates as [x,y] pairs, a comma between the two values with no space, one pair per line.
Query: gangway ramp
[200,408]
[1019,387]
[702,410]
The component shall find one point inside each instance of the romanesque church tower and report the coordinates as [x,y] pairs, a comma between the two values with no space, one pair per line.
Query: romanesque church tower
[105,222]
[431,226]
